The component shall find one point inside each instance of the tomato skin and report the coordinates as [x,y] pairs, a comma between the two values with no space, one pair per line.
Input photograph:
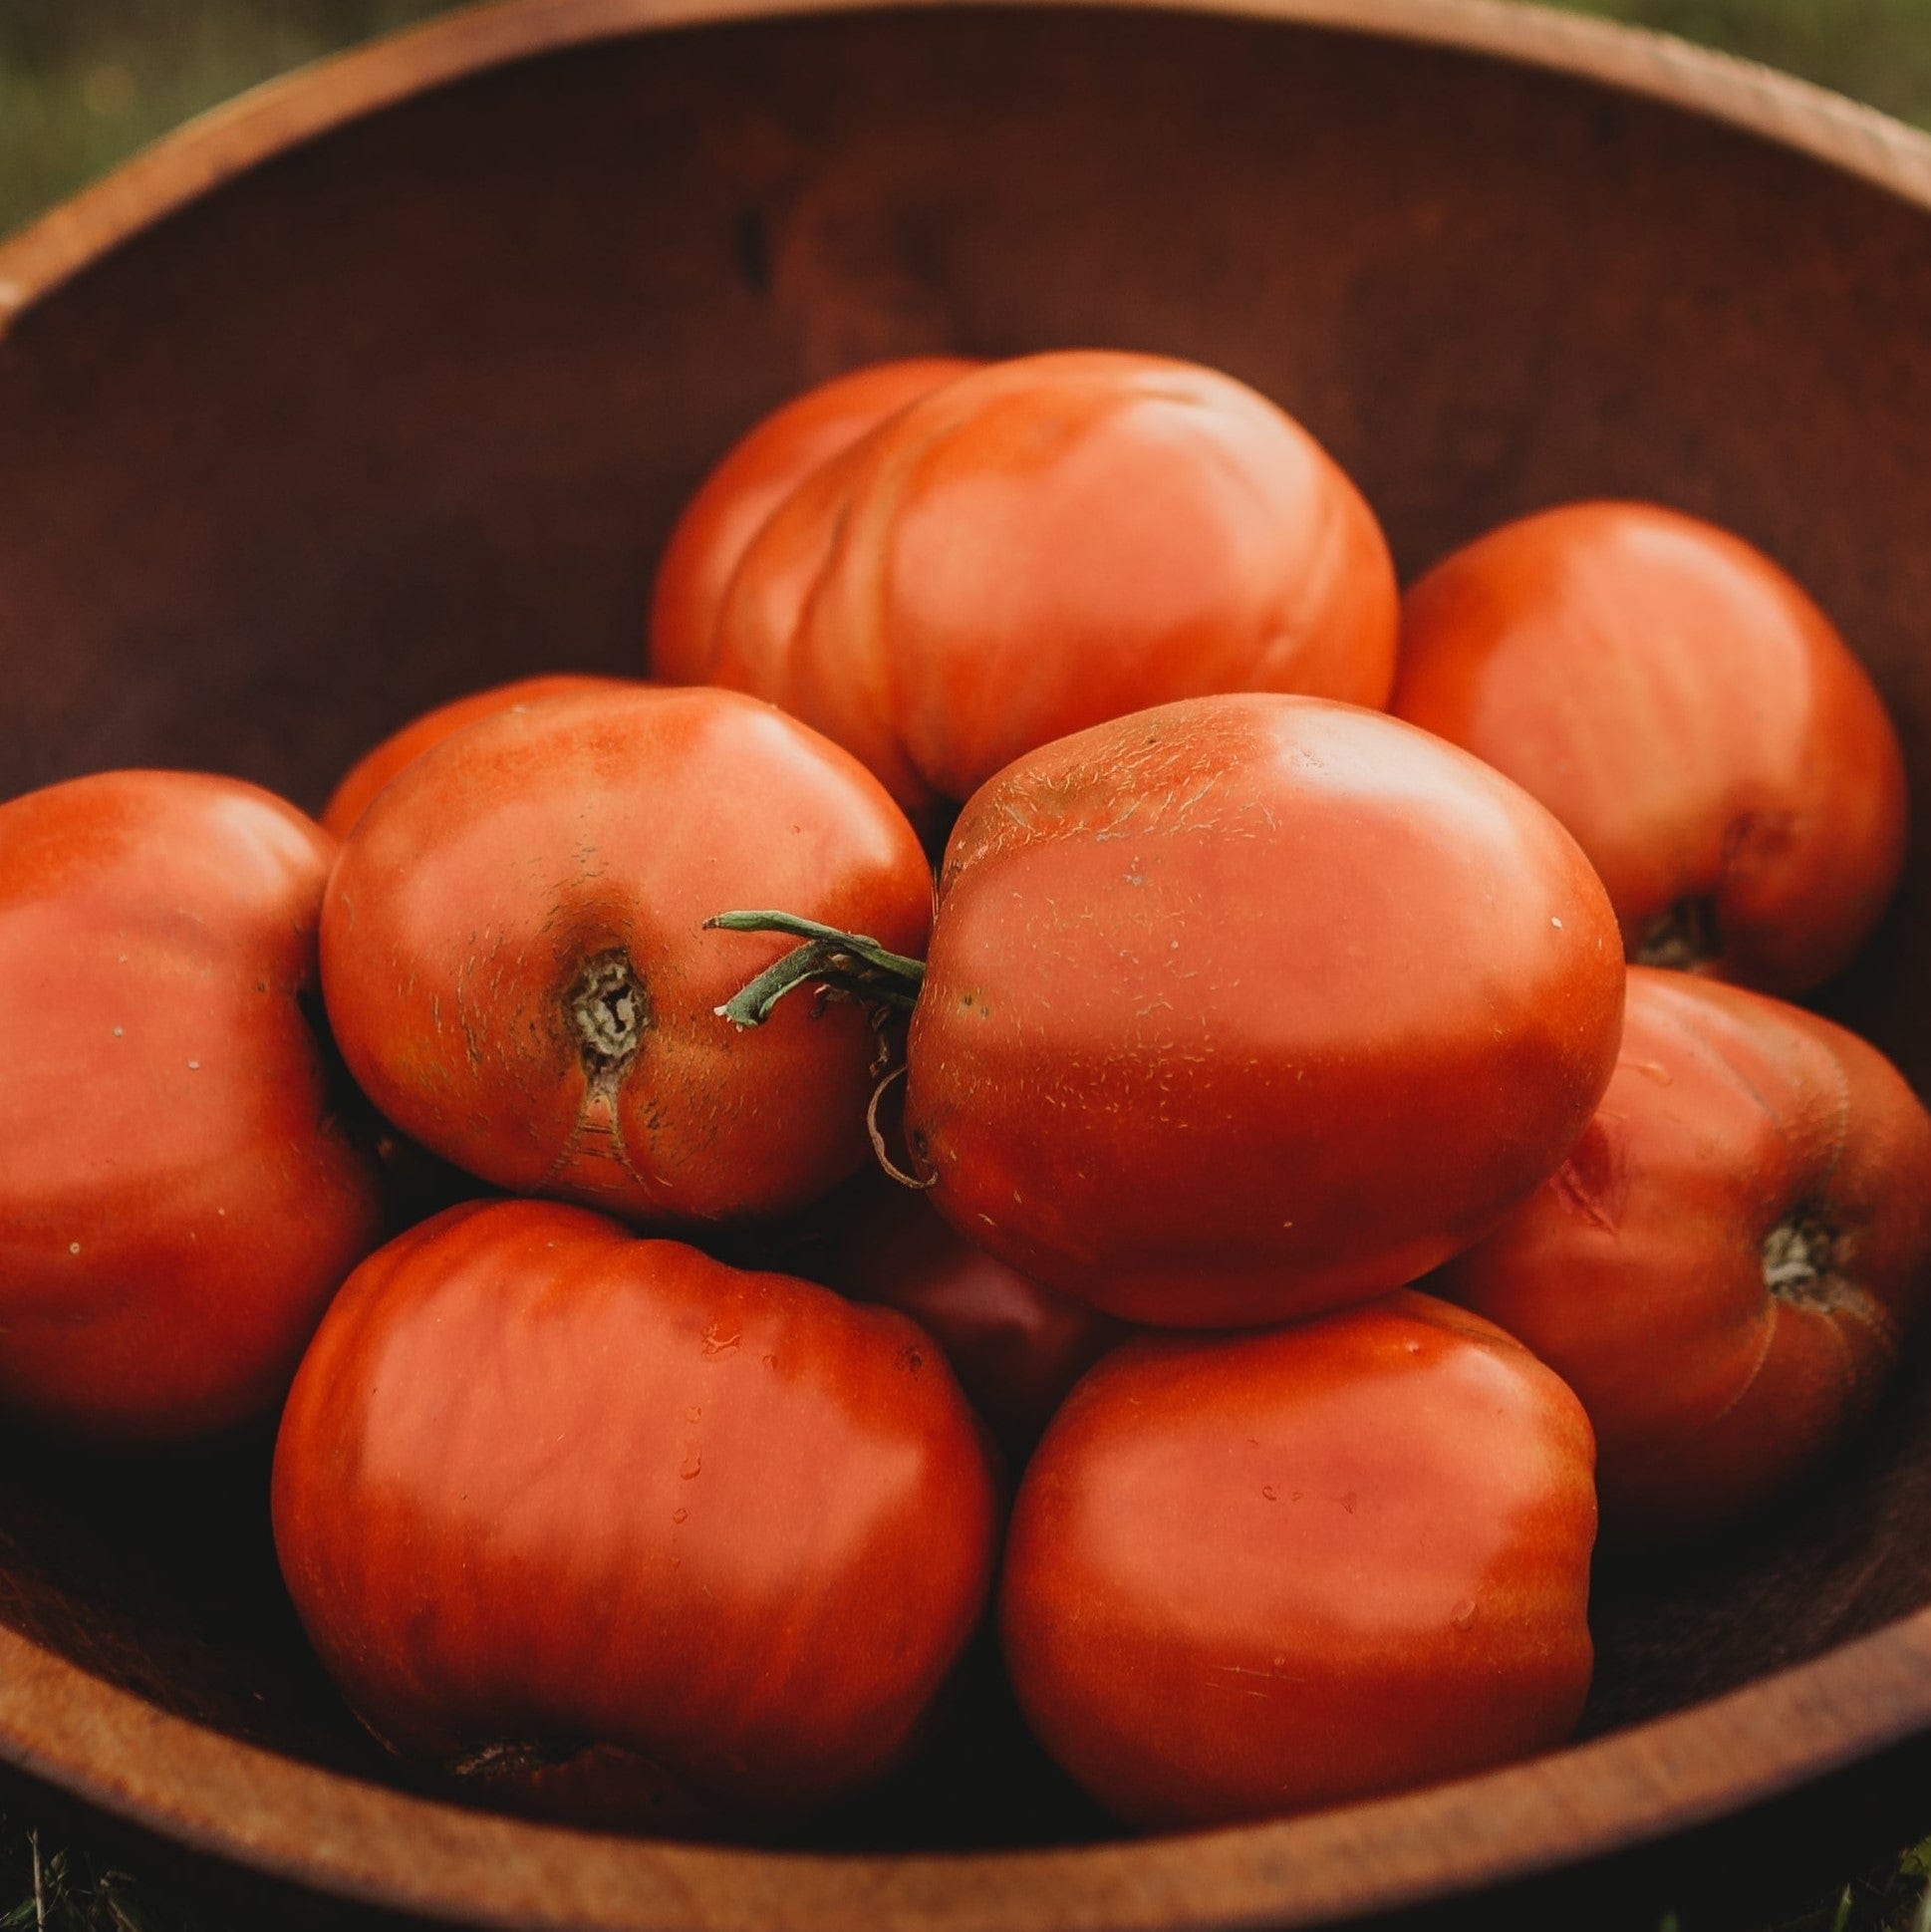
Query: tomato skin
[370,774]
[1638,1271]
[1248,1575]
[543,877]
[178,1197]
[1193,1103]
[756,475]
[1044,544]
[1689,713]
[540,1481]
[1016,1346]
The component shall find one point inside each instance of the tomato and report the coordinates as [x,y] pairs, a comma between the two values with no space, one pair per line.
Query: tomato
[1689,713]
[1248,1007]
[754,478]
[1725,1265]
[1248,1575]
[1016,1346]
[372,772]
[552,1501]
[1047,543]
[179,1194]
[515,967]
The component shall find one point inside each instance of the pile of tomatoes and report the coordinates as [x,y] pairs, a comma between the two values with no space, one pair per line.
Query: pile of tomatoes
[1234,1233]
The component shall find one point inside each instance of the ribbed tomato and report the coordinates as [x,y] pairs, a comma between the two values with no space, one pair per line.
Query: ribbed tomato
[574,1515]
[759,472]
[1040,545]
[1727,1265]
[1251,1574]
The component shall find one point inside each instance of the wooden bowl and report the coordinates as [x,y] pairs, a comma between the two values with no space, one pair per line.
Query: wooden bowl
[387,382]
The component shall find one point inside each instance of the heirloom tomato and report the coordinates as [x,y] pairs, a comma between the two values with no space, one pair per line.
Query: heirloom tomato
[753,478]
[375,769]
[178,1194]
[1689,713]
[1251,1574]
[514,959]
[1016,1346]
[1243,1008]
[563,1509]
[1045,543]
[1725,1265]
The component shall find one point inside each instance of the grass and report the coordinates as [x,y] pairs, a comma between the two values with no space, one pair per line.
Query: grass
[85,82]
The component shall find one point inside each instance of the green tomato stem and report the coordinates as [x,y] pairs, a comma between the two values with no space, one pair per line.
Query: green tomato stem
[842,963]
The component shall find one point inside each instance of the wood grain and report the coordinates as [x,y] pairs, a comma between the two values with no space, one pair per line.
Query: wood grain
[387,382]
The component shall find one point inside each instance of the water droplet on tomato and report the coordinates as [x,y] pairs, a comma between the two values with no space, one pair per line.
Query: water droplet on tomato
[678,1515]
[691,1464]
[1463,1615]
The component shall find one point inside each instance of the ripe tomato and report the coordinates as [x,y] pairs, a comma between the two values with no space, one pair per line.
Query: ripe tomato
[1726,1263]
[552,1497]
[178,1197]
[372,772]
[514,961]
[1016,1348]
[1689,713]
[754,478]
[1247,1008]
[1047,543]
[1251,1574]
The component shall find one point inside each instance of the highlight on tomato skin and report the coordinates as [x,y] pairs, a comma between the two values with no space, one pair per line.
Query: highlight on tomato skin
[1249,1575]
[597,1519]
[752,479]
[1140,1080]
[371,772]
[1688,712]
[1043,543]
[179,1192]
[1728,1264]
[516,966]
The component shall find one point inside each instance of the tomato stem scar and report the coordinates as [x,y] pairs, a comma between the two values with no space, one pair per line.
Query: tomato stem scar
[842,963]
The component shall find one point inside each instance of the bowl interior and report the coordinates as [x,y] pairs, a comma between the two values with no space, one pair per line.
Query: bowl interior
[409,410]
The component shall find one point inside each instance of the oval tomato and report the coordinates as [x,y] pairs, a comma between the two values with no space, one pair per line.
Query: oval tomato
[1251,1574]
[551,1500]
[1047,543]
[1251,1007]
[514,961]
[1725,1265]
[753,478]
[1689,713]
[372,771]
[178,1197]
[1016,1346]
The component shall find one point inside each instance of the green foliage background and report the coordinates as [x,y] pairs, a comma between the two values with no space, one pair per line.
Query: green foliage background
[85,82]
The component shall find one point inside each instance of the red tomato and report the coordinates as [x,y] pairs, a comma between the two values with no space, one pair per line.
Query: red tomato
[1047,543]
[371,773]
[178,1197]
[1248,1575]
[1726,1263]
[1249,1008]
[552,1497]
[514,961]
[1016,1348]
[1688,713]
[757,474]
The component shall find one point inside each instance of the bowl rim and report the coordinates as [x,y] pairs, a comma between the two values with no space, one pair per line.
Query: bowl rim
[358,1841]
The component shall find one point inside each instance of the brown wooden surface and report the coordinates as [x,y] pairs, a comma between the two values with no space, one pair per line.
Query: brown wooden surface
[387,382]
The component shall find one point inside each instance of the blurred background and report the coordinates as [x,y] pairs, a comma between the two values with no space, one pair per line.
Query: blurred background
[85,82]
